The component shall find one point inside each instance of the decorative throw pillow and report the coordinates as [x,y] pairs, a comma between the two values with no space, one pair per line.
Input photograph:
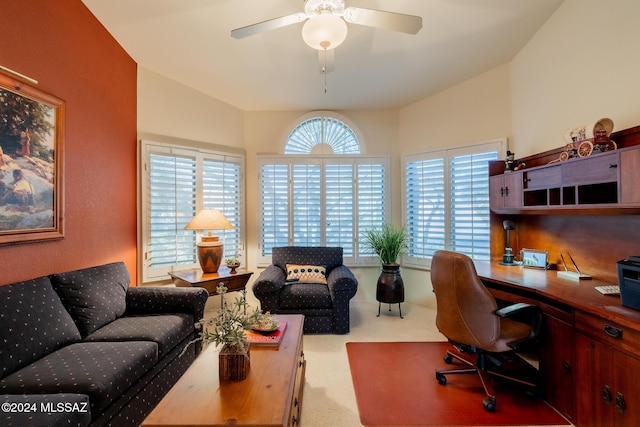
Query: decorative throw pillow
[306,273]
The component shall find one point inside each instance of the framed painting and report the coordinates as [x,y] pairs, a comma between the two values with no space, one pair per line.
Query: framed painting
[31,175]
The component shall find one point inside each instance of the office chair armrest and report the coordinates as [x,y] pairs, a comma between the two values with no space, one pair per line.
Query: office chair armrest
[514,309]
[525,313]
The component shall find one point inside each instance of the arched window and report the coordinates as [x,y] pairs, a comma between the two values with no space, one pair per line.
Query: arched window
[323,191]
[316,133]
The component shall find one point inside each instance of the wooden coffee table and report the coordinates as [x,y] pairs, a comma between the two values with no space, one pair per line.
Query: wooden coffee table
[271,395]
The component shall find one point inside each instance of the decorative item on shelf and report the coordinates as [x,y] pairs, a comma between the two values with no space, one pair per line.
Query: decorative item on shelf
[509,162]
[233,264]
[226,328]
[388,243]
[210,248]
[585,140]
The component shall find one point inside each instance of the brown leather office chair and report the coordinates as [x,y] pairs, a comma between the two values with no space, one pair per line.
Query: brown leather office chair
[468,316]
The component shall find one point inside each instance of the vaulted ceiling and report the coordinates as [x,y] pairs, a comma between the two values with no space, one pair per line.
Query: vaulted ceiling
[189,41]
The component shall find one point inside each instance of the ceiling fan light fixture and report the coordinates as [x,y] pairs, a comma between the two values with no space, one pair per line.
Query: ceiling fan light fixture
[324,31]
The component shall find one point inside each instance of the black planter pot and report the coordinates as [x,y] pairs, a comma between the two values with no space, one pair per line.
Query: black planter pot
[390,289]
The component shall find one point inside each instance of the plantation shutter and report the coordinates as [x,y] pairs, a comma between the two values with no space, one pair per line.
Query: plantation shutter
[221,183]
[172,204]
[176,184]
[371,200]
[274,183]
[306,205]
[339,207]
[470,204]
[425,206]
[321,202]
[447,201]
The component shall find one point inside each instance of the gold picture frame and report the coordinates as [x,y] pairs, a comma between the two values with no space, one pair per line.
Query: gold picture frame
[31,159]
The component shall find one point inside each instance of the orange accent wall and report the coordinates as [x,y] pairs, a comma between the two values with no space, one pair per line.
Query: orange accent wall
[63,46]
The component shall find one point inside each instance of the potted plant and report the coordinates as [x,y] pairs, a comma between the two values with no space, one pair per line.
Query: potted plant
[233,263]
[388,243]
[226,329]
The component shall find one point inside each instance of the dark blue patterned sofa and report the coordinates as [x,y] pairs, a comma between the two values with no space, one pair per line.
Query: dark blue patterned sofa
[83,348]
[284,289]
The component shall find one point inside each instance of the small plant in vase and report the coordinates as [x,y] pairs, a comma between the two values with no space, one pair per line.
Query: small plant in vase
[233,263]
[226,329]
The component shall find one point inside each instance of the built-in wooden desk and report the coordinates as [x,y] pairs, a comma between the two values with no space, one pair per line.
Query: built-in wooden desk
[590,343]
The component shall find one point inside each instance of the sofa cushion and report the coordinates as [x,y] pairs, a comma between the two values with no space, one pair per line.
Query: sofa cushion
[93,296]
[167,330]
[306,273]
[33,323]
[103,371]
[304,296]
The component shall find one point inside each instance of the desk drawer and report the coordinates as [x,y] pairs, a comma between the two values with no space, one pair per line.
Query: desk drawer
[609,332]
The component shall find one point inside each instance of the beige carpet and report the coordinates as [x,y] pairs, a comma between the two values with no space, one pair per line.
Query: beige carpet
[329,398]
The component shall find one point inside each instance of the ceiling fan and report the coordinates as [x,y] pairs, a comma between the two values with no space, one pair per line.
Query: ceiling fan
[325,27]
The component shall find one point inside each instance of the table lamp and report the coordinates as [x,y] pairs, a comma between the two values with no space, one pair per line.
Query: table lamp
[210,248]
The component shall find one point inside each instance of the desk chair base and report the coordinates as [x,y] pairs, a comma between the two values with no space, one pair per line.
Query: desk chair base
[480,363]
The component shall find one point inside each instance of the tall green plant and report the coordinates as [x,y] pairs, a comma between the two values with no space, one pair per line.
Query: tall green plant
[388,242]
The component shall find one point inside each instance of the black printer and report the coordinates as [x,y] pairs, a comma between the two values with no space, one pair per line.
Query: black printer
[629,281]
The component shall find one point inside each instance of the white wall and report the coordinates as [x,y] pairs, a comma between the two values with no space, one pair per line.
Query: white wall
[478,109]
[582,65]
[171,109]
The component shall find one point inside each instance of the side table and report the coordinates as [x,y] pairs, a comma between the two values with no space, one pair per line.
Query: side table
[235,282]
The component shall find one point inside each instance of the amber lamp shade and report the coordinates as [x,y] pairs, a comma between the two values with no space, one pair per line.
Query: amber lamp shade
[210,248]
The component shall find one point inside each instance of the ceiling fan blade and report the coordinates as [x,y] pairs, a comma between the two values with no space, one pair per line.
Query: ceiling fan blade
[410,24]
[271,24]
[326,59]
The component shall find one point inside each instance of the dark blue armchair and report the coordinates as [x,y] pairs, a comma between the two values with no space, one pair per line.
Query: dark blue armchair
[290,285]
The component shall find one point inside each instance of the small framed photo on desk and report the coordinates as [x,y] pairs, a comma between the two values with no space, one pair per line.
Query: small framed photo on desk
[532,258]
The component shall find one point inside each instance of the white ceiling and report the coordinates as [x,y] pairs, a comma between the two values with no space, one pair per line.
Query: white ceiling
[189,41]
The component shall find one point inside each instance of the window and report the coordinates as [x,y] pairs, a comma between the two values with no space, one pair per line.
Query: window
[328,199]
[446,202]
[322,130]
[177,182]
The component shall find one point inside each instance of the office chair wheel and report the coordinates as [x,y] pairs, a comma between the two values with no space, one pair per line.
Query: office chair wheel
[489,404]
[441,378]
[448,359]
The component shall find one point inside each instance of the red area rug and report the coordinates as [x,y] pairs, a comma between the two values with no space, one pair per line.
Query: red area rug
[395,385]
